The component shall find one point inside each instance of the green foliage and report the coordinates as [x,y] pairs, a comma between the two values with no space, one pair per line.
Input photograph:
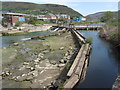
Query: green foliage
[61,86]
[17,24]
[32,20]
[35,21]
[68,66]
[32,8]
[107,17]
[113,22]
[89,40]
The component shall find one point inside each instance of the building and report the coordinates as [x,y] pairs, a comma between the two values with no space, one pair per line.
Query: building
[12,18]
[79,19]
[63,16]
[52,17]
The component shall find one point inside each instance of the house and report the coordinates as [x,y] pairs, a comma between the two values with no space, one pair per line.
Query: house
[63,16]
[50,18]
[12,18]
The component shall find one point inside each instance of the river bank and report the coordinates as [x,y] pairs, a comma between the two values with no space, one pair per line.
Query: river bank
[111,34]
[36,63]
[24,29]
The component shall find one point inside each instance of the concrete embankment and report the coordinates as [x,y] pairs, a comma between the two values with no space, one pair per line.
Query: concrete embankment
[78,68]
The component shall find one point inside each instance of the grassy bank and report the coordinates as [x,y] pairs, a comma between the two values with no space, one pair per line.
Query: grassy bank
[36,63]
[111,32]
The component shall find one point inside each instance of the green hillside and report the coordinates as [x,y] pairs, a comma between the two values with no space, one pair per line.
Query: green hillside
[99,15]
[32,8]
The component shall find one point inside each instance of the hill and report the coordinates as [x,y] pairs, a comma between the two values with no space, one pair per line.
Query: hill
[97,16]
[32,8]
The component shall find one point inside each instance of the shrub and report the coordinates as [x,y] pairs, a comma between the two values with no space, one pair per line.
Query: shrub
[18,24]
[89,40]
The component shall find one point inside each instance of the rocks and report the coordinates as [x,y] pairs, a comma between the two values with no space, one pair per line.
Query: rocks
[61,48]
[22,68]
[63,61]
[34,73]
[40,55]
[45,51]
[61,65]
[32,68]
[25,63]
[30,77]
[15,44]
[21,78]
[52,62]
[6,73]
[37,60]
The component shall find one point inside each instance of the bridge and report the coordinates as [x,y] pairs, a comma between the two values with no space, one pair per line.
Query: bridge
[85,27]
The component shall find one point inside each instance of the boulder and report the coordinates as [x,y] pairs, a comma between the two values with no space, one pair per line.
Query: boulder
[32,68]
[25,63]
[40,55]
[35,73]
[15,44]
[61,48]
[21,78]
[52,62]
[61,65]
[61,61]
[29,77]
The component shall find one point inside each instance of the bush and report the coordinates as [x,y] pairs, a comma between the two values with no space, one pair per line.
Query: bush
[18,24]
[89,40]
[35,21]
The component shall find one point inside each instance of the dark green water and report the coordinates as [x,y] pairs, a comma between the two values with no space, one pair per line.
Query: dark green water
[103,65]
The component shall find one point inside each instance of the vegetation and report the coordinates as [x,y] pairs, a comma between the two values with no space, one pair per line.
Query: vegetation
[107,17]
[18,24]
[111,28]
[89,40]
[101,16]
[68,66]
[32,8]
[62,21]
[86,23]
[35,21]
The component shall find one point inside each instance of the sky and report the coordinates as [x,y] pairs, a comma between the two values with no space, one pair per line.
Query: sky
[84,7]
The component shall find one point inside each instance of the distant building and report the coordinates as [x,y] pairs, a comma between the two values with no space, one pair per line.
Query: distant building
[52,17]
[63,16]
[12,18]
[79,19]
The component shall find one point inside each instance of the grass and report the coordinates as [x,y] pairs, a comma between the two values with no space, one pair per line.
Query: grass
[89,40]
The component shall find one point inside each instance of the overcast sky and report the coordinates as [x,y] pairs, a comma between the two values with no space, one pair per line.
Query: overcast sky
[85,7]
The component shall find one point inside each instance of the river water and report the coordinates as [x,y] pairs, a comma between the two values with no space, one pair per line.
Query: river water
[7,40]
[103,64]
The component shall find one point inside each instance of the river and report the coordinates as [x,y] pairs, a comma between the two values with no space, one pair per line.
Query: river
[103,64]
[7,40]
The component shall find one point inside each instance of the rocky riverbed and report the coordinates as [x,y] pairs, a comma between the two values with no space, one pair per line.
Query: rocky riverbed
[36,63]
[116,85]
